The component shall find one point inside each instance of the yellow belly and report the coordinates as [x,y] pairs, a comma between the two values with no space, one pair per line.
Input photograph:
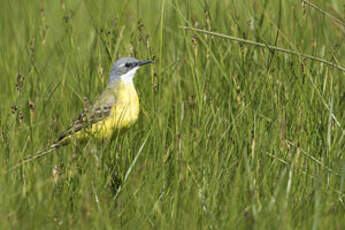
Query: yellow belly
[124,114]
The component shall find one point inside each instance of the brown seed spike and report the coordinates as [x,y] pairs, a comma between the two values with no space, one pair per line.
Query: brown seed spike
[32,105]
[14,109]
[21,116]
[32,110]
[20,81]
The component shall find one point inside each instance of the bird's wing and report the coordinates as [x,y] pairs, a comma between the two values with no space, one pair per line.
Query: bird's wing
[100,110]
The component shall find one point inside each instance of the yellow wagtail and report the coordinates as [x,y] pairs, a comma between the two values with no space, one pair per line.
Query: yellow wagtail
[116,108]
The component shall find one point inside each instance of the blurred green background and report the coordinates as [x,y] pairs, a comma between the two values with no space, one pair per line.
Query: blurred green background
[230,136]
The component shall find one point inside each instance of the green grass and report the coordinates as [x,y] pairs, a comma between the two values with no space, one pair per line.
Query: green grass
[230,136]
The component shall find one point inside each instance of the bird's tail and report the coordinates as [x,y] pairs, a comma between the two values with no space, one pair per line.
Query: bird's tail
[37,155]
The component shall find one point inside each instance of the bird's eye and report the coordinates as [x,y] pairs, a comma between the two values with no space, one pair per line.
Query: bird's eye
[128,65]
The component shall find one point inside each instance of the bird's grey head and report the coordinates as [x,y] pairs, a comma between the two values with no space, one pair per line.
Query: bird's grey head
[124,69]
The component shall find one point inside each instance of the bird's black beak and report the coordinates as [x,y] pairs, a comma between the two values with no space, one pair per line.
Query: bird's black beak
[141,63]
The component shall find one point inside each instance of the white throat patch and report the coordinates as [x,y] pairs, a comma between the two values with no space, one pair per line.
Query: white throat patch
[128,77]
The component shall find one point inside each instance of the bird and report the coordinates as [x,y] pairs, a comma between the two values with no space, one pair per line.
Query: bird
[116,108]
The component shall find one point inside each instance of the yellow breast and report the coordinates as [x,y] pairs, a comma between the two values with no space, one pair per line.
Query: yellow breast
[124,112]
